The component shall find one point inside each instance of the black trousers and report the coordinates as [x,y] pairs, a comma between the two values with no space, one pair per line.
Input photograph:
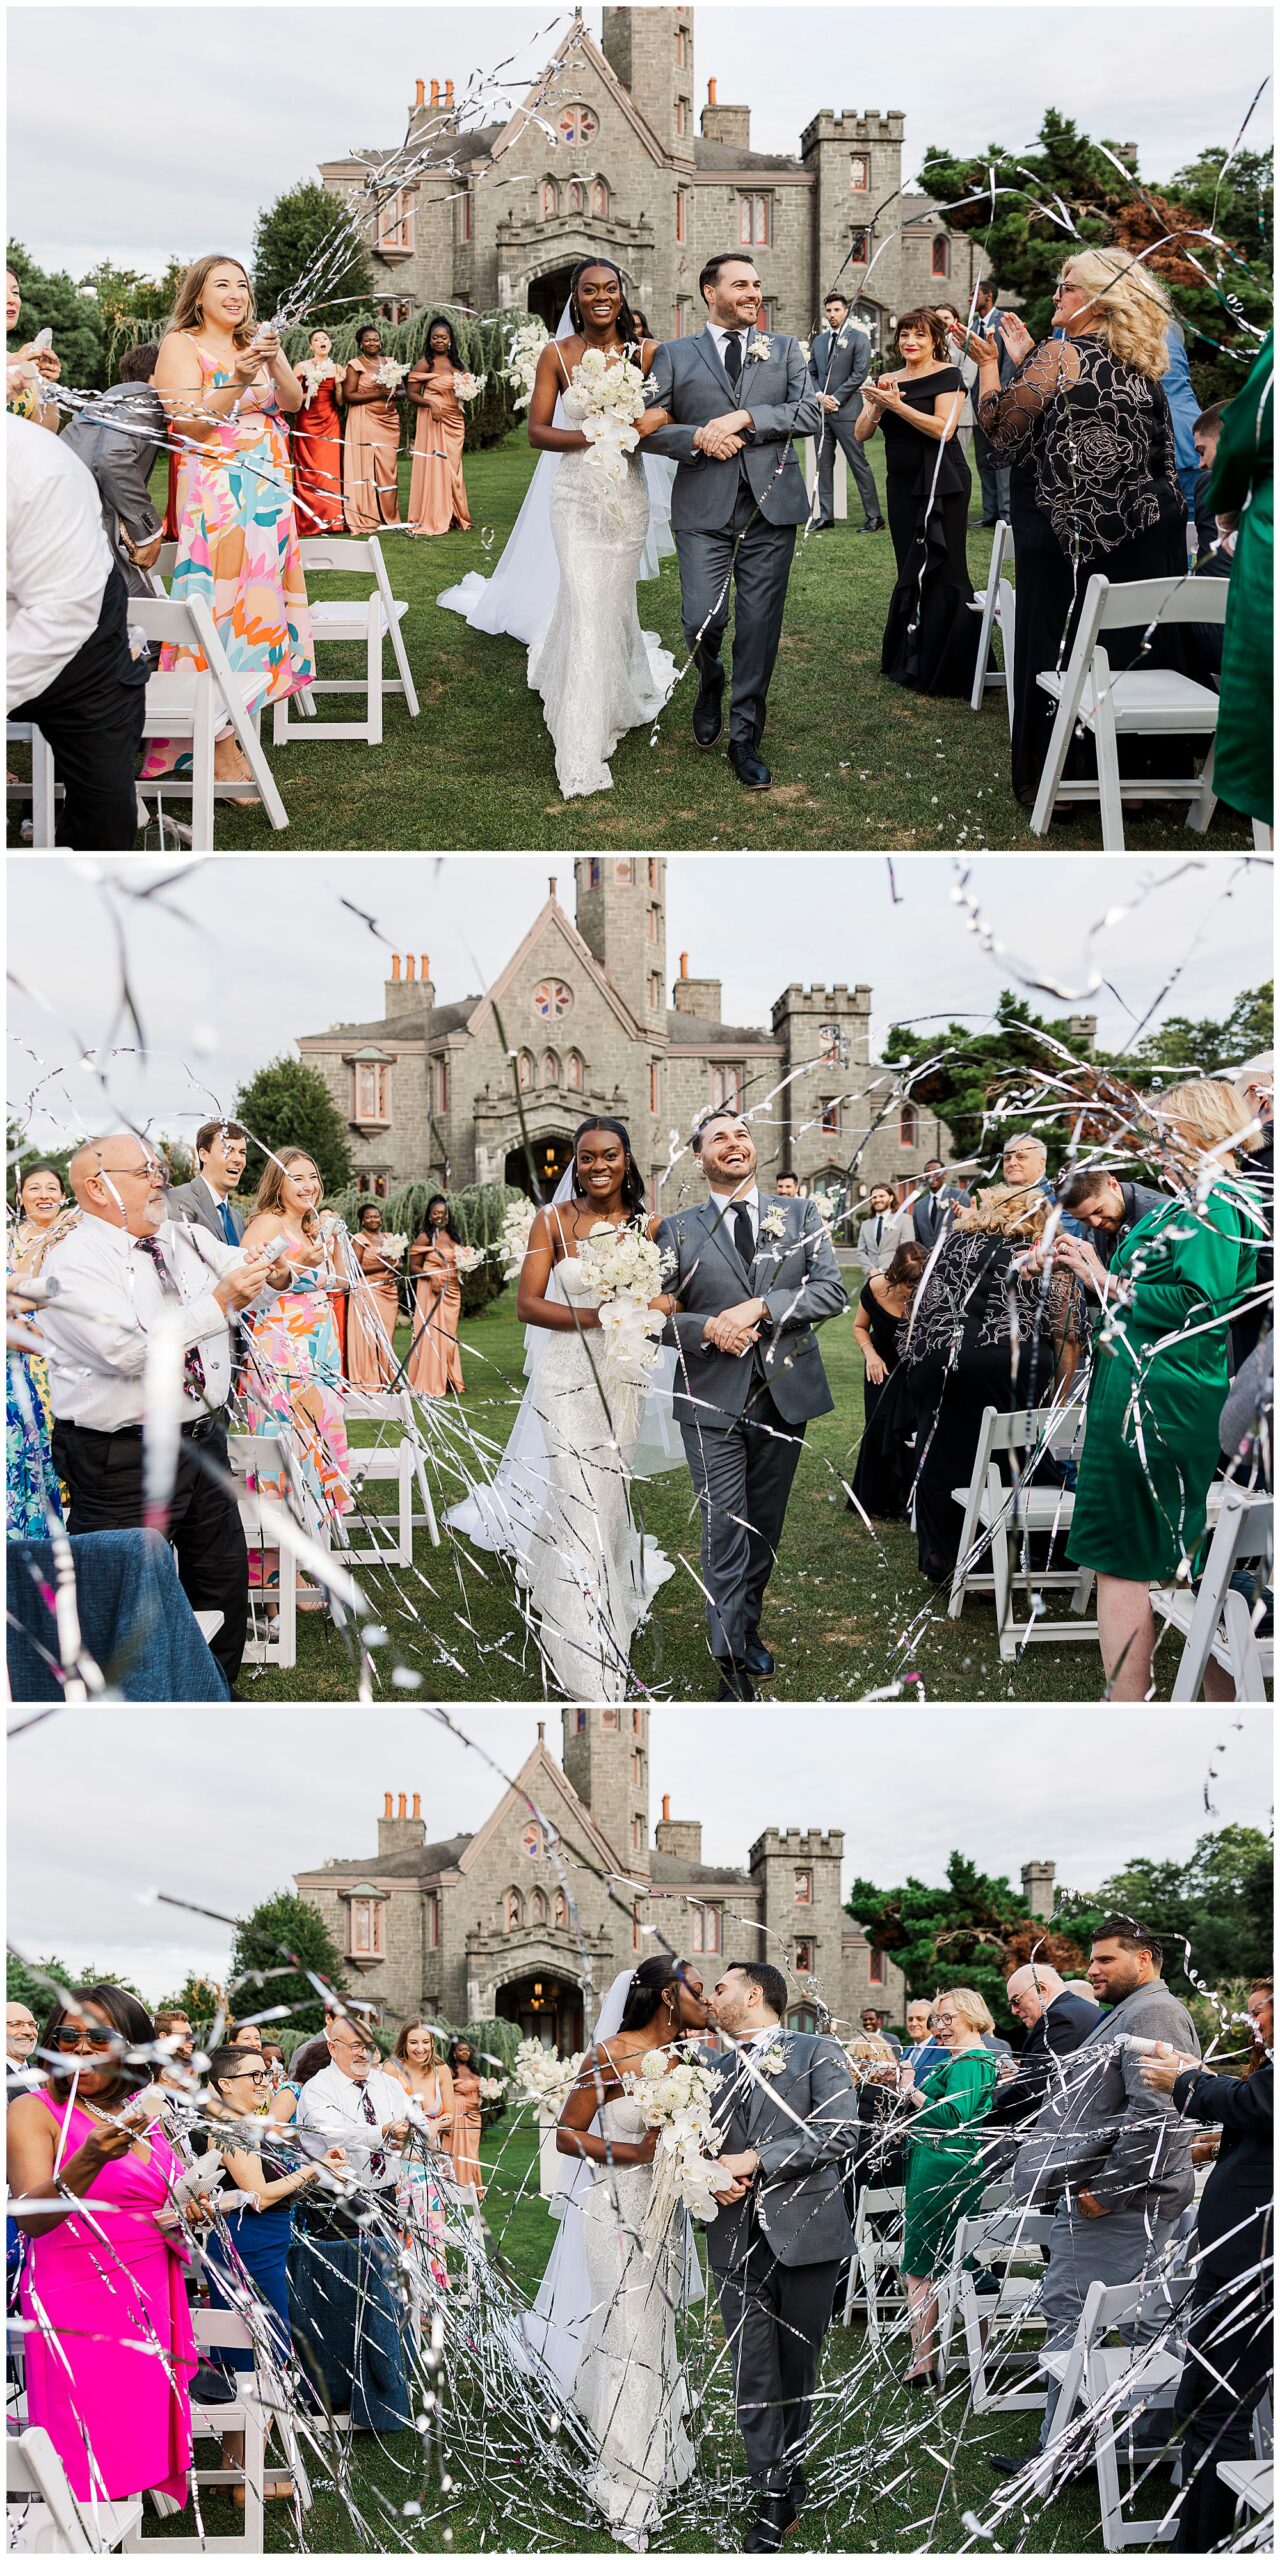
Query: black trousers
[103,1473]
[91,716]
[775,2319]
[742,1476]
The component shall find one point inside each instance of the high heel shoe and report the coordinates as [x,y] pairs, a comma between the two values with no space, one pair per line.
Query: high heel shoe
[912,2381]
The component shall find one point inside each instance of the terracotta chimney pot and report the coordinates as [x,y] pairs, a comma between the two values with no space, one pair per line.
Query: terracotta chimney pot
[417,1808]
[386,1808]
[666,1801]
[424,967]
[711,93]
[408,967]
[400,1809]
[395,968]
[684,964]
[420,93]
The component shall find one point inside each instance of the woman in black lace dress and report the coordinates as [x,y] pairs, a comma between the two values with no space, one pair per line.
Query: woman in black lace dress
[1086,419]
[959,1354]
[931,636]
[882,1479]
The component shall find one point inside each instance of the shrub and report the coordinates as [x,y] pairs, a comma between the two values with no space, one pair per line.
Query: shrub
[478,1211]
[483,339]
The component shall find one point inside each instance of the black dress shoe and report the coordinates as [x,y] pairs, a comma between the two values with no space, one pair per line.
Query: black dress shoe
[874,524]
[735,1684]
[708,711]
[758,1660]
[773,2514]
[1010,2464]
[797,2492]
[747,765]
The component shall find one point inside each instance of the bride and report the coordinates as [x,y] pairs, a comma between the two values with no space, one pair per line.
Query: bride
[561,1499]
[598,673]
[603,2324]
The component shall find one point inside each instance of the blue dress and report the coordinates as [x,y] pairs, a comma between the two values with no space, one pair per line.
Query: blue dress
[31,1480]
[259,2241]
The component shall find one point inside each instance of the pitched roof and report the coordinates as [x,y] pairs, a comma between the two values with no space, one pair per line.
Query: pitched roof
[542,1781]
[666,1870]
[689,1031]
[431,1859]
[731,155]
[552,913]
[405,1027]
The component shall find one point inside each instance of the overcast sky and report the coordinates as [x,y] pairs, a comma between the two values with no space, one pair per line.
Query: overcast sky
[132,139]
[245,954]
[110,1806]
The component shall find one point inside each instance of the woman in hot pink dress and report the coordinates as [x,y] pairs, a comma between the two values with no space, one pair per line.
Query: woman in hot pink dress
[108,2347]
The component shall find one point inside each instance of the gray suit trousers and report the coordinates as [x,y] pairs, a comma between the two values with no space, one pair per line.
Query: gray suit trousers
[742,1477]
[775,2319]
[1116,2248]
[839,425]
[760,569]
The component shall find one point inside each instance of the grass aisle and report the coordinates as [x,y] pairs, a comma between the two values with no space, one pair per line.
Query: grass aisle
[837,1601]
[858,762]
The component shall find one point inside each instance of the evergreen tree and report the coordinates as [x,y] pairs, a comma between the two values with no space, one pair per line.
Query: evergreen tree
[972,1930]
[288,1105]
[280,1942]
[974,1066]
[199,1999]
[1205,1048]
[30,1982]
[293,232]
[54,302]
[1217,1903]
[133,307]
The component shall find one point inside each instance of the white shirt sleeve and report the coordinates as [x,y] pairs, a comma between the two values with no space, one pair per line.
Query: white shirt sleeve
[58,561]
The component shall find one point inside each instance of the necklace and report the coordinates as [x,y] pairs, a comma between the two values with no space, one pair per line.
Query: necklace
[104,2115]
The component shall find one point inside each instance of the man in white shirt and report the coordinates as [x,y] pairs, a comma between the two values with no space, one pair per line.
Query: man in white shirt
[70,670]
[108,1280]
[221,1147]
[347,2314]
[353,2103]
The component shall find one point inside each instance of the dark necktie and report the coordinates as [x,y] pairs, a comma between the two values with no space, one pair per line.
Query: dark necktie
[742,1233]
[192,1364]
[733,359]
[879,1229]
[377,2159]
[228,1223]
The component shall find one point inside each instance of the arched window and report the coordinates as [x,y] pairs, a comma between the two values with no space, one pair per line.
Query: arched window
[577,196]
[907,1125]
[561,1912]
[577,1071]
[550,199]
[940,256]
[599,196]
[514,1913]
[550,1067]
[526,1070]
[538,1910]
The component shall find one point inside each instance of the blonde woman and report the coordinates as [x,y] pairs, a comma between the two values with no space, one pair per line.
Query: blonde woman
[1160,1380]
[416,2064]
[983,1330]
[292,1381]
[945,2167]
[1086,415]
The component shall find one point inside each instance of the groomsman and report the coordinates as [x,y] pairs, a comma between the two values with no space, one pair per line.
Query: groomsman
[993,473]
[221,1146]
[883,1229]
[839,362]
[934,1208]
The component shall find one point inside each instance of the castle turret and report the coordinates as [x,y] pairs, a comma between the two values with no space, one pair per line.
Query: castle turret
[856,160]
[605,1757]
[1037,1886]
[651,52]
[800,1875]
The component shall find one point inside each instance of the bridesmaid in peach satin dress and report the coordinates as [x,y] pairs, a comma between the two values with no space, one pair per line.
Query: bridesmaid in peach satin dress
[438,492]
[372,1309]
[316,442]
[435,1362]
[371,452]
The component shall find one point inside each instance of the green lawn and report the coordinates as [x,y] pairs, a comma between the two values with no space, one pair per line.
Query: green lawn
[859,764]
[837,1605]
[885,2475]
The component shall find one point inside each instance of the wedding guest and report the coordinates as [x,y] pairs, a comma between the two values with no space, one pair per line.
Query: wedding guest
[21,2034]
[961,1354]
[1255,1082]
[1081,1987]
[173,2027]
[371,448]
[373,1307]
[1056,2021]
[109,2364]
[343,2295]
[70,670]
[1213,555]
[886,1461]
[437,491]
[640,325]
[992,472]
[292,1383]
[1109,1207]
[31,1480]
[931,636]
[925,2050]
[1151,1432]
[839,362]
[1184,408]
[118,1267]
[1023,1165]
[933,1208]
[883,1229]
[221,1149]
[874,2065]
[117,437]
[30,371]
[226,388]
[787,1186]
[416,2063]
[945,2173]
[875,2022]
[249,2035]
[464,2135]
[315,442]
[1086,409]
[435,1362]
[1242,483]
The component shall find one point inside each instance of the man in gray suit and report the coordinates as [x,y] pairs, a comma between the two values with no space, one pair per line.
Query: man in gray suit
[1115,2154]
[993,472]
[206,1201]
[734,398]
[883,1229]
[752,1275]
[933,1208]
[790,2113]
[118,436]
[839,362]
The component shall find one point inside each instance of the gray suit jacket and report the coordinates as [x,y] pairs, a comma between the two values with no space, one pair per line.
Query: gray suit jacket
[840,365]
[951,1196]
[797,1276]
[190,1200]
[118,436]
[689,379]
[1105,2130]
[897,1230]
[796,2199]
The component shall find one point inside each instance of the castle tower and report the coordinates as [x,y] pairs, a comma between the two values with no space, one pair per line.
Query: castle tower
[1037,1886]
[800,1873]
[857,163]
[620,908]
[651,52]
[827,1031]
[605,1757]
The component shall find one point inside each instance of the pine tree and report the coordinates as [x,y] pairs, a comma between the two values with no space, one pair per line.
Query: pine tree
[54,302]
[288,1105]
[279,1943]
[302,227]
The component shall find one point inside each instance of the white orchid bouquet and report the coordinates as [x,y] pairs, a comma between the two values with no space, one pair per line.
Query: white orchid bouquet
[467,1257]
[626,1270]
[609,395]
[313,370]
[539,2077]
[391,1246]
[522,359]
[468,386]
[513,1243]
[677,2098]
[391,373]
[491,2088]
[828,1207]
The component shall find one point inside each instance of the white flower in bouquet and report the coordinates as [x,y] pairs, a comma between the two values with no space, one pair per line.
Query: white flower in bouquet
[827,1206]
[491,2088]
[468,386]
[626,1270]
[609,396]
[313,370]
[522,360]
[677,2100]
[513,1243]
[390,373]
[467,1257]
[540,2078]
[392,1247]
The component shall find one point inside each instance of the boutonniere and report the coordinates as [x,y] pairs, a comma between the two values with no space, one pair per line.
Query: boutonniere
[774,1223]
[773,2060]
[759,348]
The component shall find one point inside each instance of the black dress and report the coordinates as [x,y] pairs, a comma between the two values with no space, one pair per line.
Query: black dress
[886,1460]
[931,636]
[1226,2370]
[1094,490]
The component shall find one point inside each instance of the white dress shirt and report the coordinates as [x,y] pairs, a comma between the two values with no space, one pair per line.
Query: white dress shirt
[727,1201]
[96,1328]
[333,2105]
[58,561]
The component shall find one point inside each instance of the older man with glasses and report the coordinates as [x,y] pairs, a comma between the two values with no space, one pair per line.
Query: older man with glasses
[130,1268]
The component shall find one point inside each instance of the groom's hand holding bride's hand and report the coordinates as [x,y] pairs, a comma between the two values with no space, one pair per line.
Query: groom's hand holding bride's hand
[735,1329]
[741,2167]
[722,438]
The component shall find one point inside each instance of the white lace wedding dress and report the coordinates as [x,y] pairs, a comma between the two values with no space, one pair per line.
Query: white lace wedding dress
[629,2387]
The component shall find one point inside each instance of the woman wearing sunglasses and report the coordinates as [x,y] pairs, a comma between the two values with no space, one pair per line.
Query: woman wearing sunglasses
[108,2345]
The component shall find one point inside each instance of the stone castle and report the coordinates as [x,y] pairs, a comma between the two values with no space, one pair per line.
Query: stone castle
[579,1022]
[627,176]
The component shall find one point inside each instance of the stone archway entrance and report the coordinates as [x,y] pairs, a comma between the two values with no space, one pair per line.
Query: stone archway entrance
[549,1154]
[545,2006]
[548,294]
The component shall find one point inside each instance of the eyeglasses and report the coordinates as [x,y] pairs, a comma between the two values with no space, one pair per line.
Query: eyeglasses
[252,2076]
[150,1171]
[73,2039]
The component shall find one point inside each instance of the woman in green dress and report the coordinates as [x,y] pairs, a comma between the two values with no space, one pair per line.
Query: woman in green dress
[1242,486]
[1160,1375]
[945,2169]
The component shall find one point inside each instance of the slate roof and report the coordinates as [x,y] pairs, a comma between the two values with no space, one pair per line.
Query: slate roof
[404,1026]
[666,1870]
[689,1031]
[730,155]
[431,1860]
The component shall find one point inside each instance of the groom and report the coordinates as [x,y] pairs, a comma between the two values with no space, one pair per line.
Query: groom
[736,397]
[753,1274]
[790,2113]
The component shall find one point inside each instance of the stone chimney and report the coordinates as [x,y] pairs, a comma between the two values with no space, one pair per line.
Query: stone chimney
[400,1830]
[1037,1886]
[725,124]
[700,996]
[678,1839]
[409,989]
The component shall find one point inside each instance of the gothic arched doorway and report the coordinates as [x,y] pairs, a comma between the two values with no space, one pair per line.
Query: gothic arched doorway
[548,295]
[548,1157]
[546,2007]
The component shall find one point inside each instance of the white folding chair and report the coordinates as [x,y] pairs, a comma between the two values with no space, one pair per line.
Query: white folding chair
[248,2416]
[41,788]
[42,2512]
[371,618]
[278,1645]
[997,606]
[877,2247]
[393,1404]
[1141,701]
[999,1515]
[190,702]
[996,2325]
[1103,2388]
[1215,1621]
